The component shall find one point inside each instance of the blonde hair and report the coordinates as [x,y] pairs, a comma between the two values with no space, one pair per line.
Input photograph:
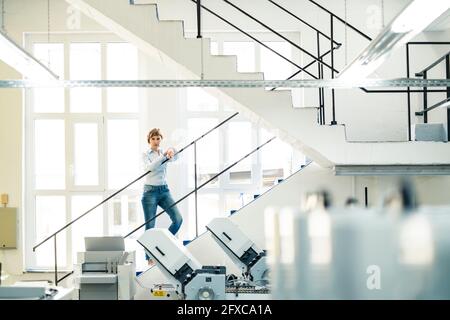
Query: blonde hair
[152,133]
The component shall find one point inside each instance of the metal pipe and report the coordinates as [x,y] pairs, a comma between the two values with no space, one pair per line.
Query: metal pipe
[199,25]
[401,91]
[425,101]
[431,66]
[65,276]
[319,75]
[408,93]
[56,262]
[366,197]
[333,101]
[323,96]
[447,74]
[195,186]
[445,102]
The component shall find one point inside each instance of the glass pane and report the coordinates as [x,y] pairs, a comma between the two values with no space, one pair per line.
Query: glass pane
[50,216]
[85,64]
[245,52]
[207,150]
[85,154]
[49,151]
[125,214]
[85,100]
[240,144]
[200,100]
[49,99]
[88,226]
[273,66]
[207,209]
[122,64]
[276,159]
[123,99]
[123,153]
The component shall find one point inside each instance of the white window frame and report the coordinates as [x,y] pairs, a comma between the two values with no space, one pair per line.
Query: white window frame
[100,118]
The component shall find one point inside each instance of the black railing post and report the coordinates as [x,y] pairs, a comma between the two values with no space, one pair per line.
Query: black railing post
[425,100]
[333,122]
[56,262]
[320,77]
[323,95]
[447,74]
[195,185]
[199,23]
[408,93]
[366,197]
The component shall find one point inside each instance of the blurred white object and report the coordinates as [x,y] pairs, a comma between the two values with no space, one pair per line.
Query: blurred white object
[358,253]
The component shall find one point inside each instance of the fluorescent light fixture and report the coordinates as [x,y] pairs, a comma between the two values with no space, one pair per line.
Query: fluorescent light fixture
[15,56]
[410,22]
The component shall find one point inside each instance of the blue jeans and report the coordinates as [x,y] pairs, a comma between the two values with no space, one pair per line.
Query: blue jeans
[155,196]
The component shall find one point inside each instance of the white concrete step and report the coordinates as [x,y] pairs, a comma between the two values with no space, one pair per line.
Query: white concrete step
[327,145]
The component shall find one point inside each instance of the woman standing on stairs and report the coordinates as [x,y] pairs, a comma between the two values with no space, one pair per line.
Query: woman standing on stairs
[156,192]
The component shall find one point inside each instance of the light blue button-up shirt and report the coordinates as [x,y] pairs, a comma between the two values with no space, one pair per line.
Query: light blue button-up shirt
[152,161]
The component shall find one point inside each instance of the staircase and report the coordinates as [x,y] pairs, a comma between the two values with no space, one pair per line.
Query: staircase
[164,41]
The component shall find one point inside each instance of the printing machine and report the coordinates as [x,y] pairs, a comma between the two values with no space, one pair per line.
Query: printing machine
[189,279]
[243,251]
[105,271]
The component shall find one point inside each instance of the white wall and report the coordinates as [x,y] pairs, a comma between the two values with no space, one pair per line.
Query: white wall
[11,163]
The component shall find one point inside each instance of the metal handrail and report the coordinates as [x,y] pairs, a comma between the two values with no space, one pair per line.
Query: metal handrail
[431,66]
[111,196]
[304,22]
[445,102]
[307,66]
[342,20]
[256,40]
[199,187]
[129,184]
[280,35]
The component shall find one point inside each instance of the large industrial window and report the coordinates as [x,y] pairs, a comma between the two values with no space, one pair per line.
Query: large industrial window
[82,144]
